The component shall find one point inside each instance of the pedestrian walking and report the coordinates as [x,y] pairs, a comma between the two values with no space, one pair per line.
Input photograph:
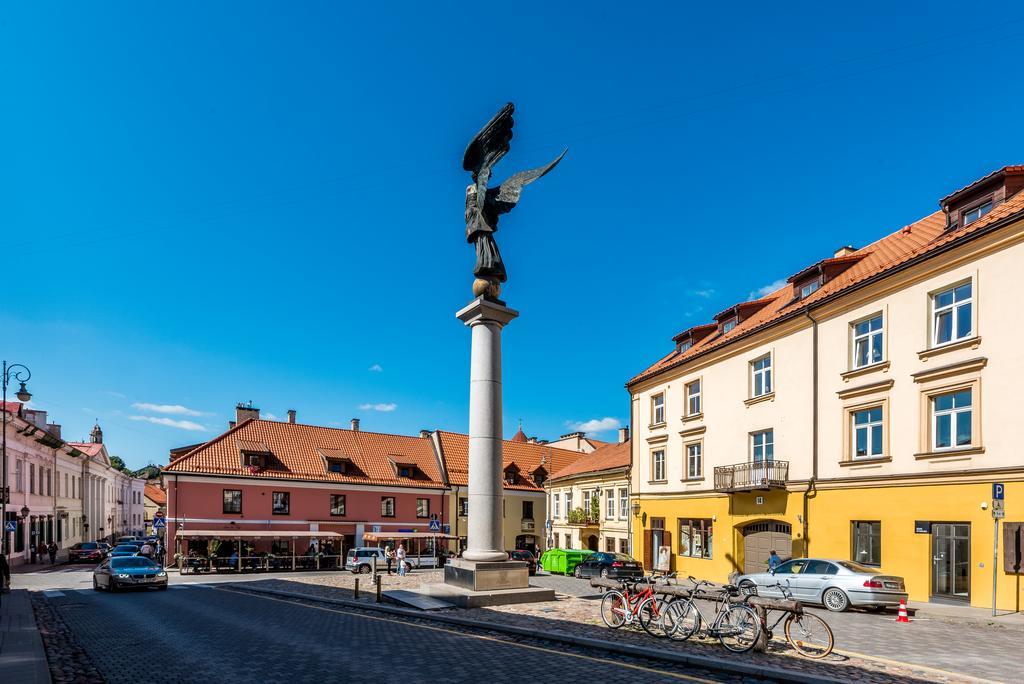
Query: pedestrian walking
[34,549]
[52,550]
[400,555]
[773,560]
[390,556]
[42,551]
[5,572]
[146,550]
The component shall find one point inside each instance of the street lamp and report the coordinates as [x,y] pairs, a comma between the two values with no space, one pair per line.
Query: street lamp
[20,374]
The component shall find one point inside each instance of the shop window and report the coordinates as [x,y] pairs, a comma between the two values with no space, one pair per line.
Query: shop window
[695,538]
[867,542]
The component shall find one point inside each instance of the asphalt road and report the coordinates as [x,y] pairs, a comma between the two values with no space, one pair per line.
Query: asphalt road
[199,632]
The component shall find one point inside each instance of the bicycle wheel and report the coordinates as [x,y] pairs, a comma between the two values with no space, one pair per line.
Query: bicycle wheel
[681,620]
[738,628]
[651,613]
[809,635]
[613,609]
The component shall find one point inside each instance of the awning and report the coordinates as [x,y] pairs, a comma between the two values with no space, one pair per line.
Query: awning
[257,534]
[384,536]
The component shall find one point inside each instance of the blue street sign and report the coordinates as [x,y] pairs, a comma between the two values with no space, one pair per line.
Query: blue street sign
[447,529]
[435,525]
[998,489]
[159,523]
[11,526]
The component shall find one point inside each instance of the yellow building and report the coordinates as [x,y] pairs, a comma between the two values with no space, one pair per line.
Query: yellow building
[862,411]
[589,500]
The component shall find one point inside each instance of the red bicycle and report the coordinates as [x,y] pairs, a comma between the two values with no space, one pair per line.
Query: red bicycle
[634,602]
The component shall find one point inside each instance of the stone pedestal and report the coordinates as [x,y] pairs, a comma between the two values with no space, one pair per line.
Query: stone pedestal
[485,318]
[472,584]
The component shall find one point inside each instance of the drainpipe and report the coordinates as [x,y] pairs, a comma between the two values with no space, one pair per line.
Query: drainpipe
[811,491]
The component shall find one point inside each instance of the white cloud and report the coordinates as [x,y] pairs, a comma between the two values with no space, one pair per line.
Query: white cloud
[378,407]
[168,409]
[116,394]
[376,368]
[766,290]
[170,422]
[706,293]
[596,425]
[267,415]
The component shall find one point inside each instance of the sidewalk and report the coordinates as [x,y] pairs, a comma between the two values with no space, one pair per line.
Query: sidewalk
[979,616]
[22,658]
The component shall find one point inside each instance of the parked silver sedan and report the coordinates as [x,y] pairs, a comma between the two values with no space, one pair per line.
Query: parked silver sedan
[835,584]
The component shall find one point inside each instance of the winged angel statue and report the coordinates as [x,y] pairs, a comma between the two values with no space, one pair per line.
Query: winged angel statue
[484,204]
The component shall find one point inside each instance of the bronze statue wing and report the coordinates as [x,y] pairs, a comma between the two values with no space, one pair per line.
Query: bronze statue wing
[489,145]
[509,191]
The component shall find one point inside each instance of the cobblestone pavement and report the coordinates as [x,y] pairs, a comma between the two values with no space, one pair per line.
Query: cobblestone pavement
[202,633]
[870,647]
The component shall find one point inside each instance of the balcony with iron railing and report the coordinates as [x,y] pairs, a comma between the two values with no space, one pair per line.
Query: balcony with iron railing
[746,477]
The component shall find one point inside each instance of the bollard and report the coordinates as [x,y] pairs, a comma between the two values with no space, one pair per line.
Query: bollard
[355,591]
[373,568]
[378,589]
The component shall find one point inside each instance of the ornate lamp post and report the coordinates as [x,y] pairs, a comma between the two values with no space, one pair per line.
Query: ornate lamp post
[20,374]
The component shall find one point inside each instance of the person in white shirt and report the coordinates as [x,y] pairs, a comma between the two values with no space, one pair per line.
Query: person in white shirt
[400,555]
[146,550]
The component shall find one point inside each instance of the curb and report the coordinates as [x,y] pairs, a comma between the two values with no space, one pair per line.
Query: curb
[707,662]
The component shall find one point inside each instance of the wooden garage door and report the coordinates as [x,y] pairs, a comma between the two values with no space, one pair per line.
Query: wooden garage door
[758,541]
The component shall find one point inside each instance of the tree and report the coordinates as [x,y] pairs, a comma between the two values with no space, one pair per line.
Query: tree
[117,463]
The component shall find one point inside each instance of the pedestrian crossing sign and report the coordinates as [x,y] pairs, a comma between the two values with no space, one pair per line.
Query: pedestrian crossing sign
[11,526]
[159,523]
[435,525]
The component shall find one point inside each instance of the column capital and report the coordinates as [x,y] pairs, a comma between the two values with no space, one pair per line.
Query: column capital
[482,310]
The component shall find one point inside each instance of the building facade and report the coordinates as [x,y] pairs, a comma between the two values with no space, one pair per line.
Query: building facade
[860,412]
[589,501]
[527,466]
[281,486]
[61,492]
[154,503]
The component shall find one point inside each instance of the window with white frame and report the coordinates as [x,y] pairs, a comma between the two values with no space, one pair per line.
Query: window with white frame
[867,341]
[762,446]
[623,502]
[809,287]
[729,324]
[555,500]
[693,404]
[609,496]
[761,376]
[975,213]
[952,317]
[658,465]
[867,433]
[568,503]
[684,345]
[657,409]
[694,461]
[952,414]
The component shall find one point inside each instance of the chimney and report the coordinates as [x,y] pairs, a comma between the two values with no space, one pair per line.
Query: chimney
[231,424]
[355,425]
[623,434]
[424,433]
[291,416]
[53,429]
[245,412]
[531,440]
[845,251]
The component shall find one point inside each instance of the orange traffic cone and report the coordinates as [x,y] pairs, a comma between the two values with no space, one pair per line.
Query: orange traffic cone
[902,617]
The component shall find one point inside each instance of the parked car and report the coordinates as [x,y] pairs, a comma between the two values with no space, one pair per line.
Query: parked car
[86,552]
[122,550]
[611,565]
[526,556]
[360,559]
[123,572]
[107,548]
[129,540]
[835,584]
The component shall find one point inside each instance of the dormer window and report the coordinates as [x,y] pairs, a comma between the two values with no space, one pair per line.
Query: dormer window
[684,345]
[511,474]
[973,214]
[340,467]
[540,476]
[728,324]
[809,287]
[404,471]
[254,460]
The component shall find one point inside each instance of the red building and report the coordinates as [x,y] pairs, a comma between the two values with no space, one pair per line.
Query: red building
[268,487]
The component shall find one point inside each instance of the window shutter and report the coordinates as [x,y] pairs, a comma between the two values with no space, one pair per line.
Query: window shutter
[1013,548]
[671,551]
[648,551]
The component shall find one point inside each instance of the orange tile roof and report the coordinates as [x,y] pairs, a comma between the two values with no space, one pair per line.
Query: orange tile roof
[88,448]
[526,456]
[297,454]
[608,457]
[917,240]
[156,495]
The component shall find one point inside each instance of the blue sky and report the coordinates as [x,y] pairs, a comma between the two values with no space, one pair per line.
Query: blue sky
[203,204]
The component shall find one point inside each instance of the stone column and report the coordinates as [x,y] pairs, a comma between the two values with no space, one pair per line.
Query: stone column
[485,318]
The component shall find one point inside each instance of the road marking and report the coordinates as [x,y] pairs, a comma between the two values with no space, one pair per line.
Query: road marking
[689,678]
[956,676]
[53,593]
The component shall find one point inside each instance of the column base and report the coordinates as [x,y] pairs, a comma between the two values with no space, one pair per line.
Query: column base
[471,584]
